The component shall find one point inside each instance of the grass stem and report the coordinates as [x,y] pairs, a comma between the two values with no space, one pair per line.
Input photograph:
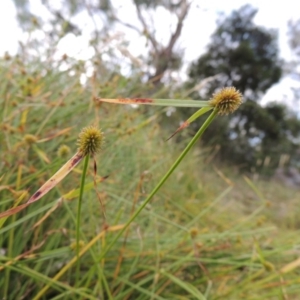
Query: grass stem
[163,180]
[83,176]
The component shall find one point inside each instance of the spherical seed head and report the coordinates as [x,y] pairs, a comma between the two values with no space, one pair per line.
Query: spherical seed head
[194,232]
[30,139]
[90,140]
[63,151]
[227,100]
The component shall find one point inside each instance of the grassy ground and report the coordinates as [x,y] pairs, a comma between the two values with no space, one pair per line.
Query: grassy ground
[209,233]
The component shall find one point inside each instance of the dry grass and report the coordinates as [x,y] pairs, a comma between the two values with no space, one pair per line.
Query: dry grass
[208,234]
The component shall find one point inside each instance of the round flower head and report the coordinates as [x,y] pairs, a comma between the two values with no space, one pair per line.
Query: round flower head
[63,151]
[90,140]
[227,100]
[30,139]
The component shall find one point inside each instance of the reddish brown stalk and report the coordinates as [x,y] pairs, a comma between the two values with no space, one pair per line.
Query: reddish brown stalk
[47,186]
[182,126]
[57,177]
[13,210]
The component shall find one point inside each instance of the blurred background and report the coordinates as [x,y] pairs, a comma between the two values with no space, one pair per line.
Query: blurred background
[190,48]
[224,225]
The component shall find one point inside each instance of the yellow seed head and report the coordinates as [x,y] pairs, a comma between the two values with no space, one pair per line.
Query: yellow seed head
[194,232]
[90,140]
[268,266]
[63,151]
[227,100]
[30,139]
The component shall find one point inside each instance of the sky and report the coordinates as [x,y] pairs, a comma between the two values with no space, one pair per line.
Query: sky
[198,26]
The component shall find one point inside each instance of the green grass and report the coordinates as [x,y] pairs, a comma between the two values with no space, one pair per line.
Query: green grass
[209,233]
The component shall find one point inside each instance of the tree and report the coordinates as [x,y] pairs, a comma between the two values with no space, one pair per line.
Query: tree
[104,16]
[244,55]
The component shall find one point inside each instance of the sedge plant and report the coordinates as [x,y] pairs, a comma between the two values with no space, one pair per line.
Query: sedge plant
[224,102]
[90,142]
[91,138]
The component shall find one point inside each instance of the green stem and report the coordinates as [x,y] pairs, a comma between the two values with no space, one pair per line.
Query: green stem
[85,166]
[163,180]
[11,242]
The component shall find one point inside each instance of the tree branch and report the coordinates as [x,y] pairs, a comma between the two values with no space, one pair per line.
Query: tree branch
[149,36]
[165,54]
[184,11]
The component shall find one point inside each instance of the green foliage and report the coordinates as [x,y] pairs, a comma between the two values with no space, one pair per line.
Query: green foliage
[242,54]
[258,132]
